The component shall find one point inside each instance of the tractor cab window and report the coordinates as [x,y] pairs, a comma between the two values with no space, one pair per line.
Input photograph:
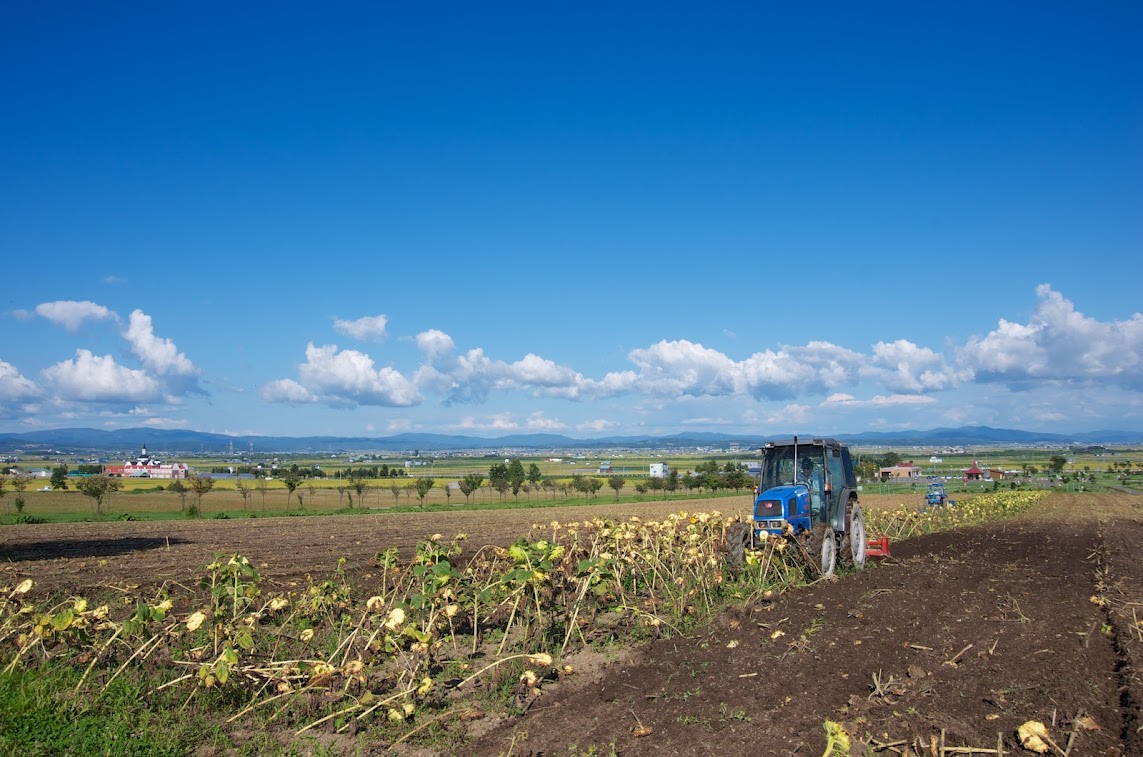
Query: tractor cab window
[777,469]
[780,469]
[837,479]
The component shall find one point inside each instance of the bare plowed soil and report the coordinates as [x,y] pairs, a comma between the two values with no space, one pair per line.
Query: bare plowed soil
[959,638]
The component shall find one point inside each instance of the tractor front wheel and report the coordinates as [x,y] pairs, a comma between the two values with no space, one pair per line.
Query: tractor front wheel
[822,549]
[738,537]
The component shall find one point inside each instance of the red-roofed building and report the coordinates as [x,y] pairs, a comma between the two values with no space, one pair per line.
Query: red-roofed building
[973,474]
[145,466]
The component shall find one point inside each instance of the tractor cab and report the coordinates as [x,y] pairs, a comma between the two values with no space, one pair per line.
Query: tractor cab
[802,484]
[937,496]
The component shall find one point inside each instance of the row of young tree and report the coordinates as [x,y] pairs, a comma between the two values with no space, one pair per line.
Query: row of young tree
[504,478]
[313,471]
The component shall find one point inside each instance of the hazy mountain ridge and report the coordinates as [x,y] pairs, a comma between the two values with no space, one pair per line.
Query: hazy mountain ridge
[197,441]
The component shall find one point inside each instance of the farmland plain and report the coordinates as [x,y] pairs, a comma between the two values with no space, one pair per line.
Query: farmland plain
[959,638]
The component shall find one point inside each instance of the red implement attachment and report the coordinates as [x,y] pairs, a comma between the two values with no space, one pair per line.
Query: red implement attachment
[877,547]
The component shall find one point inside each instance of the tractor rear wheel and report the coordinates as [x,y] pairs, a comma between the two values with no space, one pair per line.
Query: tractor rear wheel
[822,549]
[853,546]
[738,537]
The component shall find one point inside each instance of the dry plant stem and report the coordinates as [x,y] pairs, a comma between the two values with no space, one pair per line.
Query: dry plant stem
[426,724]
[331,716]
[96,657]
[958,655]
[511,617]
[255,705]
[373,708]
[640,613]
[172,682]
[572,623]
[490,666]
[152,642]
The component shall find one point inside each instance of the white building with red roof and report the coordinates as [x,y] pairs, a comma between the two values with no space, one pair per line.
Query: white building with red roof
[145,466]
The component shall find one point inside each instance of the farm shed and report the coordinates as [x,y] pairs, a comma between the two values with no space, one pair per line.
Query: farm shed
[899,471]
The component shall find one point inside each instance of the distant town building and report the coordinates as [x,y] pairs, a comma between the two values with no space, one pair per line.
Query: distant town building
[145,466]
[899,471]
[660,470]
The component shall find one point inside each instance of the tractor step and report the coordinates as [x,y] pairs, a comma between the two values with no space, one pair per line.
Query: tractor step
[877,547]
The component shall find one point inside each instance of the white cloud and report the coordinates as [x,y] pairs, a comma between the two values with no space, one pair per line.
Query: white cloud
[156,422]
[92,378]
[613,384]
[71,314]
[287,391]
[848,400]
[436,345]
[14,386]
[793,371]
[596,425]
[498,422]
[158,355]
[684,368]
[538,422]
[369,328]
[791,415]
[905,367]
[343,378]
[471,377]
[708,421]
[880,400]
[1058,344]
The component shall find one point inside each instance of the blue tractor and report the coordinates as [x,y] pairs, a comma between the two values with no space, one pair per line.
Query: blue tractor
[936,495]
[807,492]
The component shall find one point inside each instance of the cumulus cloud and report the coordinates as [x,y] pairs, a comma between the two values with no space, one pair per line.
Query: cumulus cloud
[682,368]
[156,422]
[71,314]
[287,391]
[14,386]
[793,414]
[472,376]
[342,378]
[793,371]
[675,368]
[156,354]
[369,328]
[1058,344]
[905,367]
[848,400]
[539,422]
[94,378]
[498,422]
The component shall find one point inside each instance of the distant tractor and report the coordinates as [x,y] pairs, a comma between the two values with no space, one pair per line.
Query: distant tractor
[936,495]
[806,492]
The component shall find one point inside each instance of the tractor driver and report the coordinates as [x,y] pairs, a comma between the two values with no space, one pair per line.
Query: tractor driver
[813,481]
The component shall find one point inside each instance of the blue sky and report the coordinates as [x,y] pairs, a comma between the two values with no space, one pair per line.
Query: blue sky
[581,218]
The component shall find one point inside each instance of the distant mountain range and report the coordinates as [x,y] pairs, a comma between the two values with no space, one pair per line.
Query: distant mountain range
[196,442]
